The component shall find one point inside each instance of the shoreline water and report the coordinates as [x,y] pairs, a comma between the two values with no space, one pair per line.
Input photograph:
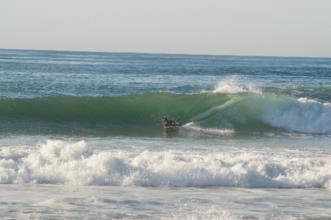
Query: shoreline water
[101,202]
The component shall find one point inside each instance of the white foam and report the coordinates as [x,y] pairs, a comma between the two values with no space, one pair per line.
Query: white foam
[211,213]
[302,115]
[59,162]
[232,85]
[213,131]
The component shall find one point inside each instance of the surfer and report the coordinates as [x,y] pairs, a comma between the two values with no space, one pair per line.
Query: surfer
[170,123]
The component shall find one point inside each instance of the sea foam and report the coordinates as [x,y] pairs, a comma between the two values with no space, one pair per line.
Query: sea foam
[74,163]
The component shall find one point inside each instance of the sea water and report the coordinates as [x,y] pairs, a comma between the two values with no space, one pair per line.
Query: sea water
[81,136]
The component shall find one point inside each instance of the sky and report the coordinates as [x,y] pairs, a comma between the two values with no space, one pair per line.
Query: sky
[225,27]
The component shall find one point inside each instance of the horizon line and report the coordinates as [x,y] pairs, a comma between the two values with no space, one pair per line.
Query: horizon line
[168,53]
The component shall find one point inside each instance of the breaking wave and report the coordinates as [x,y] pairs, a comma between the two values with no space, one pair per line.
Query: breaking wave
[74,163]
[231,108]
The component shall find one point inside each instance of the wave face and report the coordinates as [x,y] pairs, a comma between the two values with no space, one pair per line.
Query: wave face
[133,114]
[74,163]
[262,113]
[210,113]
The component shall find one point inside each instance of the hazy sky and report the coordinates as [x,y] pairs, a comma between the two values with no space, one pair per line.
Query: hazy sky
[246,27]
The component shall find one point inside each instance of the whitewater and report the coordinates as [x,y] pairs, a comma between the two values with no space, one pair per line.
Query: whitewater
[81,136]
[59,162]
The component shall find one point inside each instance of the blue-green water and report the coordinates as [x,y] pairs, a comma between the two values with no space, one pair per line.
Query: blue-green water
[255,141]
[47,73]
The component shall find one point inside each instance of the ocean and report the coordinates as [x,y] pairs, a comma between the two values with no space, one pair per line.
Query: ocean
[81,136]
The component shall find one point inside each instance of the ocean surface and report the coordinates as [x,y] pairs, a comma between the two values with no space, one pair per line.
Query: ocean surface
[81,136]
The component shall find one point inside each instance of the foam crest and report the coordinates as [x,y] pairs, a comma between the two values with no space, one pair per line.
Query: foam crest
[232,85]
[54,163]
[63,150]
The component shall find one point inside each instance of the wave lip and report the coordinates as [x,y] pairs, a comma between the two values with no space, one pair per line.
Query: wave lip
[74,163]
[231,85]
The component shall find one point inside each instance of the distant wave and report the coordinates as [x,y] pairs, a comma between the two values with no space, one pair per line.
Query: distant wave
[74,163]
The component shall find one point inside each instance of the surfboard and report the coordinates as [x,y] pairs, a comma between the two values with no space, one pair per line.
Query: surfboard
[173,126]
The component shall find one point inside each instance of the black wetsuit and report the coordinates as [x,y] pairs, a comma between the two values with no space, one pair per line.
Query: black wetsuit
[168,123]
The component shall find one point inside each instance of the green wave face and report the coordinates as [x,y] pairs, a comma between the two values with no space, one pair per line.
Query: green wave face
[136,115]
[121,115]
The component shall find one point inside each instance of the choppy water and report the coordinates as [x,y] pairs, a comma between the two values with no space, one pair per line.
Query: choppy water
[81,136]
